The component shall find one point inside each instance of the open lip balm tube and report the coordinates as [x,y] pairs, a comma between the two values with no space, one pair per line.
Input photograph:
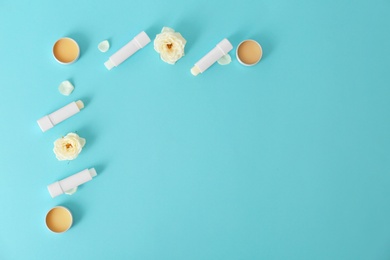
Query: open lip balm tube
[49,121]
[249,52]
[66,50]
[139,41]
[59,219]
[70,183]
[210,58]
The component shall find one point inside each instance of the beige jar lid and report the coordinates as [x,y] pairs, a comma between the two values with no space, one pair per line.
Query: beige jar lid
[66,50]
[249,52]
[59,219]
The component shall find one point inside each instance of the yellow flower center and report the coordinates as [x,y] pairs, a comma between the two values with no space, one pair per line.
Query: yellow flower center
[169,45]
[68,145]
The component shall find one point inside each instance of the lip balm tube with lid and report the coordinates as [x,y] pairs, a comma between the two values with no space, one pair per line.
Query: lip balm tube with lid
[47,122]
[71,182]
[210,58]
[139,41]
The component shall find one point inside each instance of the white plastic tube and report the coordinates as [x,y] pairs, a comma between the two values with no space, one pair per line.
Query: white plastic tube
[210,58]
[49,121]
[71,182]
[139,41]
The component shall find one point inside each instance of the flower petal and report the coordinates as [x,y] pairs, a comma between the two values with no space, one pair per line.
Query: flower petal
[180,37]
[167,29]
[225,59]
[104,46]
[71,191]
[66,88]
[82,141]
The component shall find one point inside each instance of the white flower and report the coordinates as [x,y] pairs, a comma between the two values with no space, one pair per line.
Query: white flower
[170,45]
[68,147]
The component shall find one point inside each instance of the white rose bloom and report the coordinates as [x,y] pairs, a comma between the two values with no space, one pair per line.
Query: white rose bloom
[68,147]
[170,45]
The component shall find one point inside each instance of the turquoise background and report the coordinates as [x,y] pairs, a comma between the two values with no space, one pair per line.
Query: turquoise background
[288,159]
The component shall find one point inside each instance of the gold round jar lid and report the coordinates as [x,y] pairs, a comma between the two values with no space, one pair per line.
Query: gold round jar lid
[59,219]
[249,52]
[66,50]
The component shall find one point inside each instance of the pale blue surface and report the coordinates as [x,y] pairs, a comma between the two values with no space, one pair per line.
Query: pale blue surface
[289,159]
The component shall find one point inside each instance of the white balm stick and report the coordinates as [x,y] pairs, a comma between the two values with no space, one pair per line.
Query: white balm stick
[47,122]
[210,58]
[71,182]
[139,41]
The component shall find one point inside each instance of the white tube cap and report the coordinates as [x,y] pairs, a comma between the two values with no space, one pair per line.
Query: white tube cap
[92,172]
[142,39]
[45,123]
[225,46]
[55,189]
[109,64]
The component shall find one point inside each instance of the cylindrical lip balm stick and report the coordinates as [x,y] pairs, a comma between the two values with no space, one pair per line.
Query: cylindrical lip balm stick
[139,41]
[71,182]
[210,58]
[47,122]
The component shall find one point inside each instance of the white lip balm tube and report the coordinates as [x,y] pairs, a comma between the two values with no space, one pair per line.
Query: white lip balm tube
[139,41]
[210,58]
[47,122]
[71,182]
